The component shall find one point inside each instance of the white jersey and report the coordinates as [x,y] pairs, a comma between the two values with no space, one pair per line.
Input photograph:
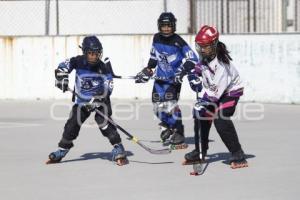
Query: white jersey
[220,79]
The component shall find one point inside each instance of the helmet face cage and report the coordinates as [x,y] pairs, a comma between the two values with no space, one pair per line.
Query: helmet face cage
[167,23]
[207,51]
[98,52]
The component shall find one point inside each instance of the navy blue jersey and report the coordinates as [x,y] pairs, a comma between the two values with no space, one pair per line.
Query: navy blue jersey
[90,81]
[168,54]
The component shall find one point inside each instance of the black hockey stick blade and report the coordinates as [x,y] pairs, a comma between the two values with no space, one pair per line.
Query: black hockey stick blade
[154,151]
[133,138]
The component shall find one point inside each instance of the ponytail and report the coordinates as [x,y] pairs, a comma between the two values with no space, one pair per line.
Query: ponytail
[223,53]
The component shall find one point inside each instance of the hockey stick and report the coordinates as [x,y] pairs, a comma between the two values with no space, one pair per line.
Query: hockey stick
[134,77]
[197,128]
[108,64]
[197,131]
[133,138]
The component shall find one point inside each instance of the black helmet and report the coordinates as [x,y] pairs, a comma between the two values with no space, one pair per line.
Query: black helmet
[91,43]
[167,18]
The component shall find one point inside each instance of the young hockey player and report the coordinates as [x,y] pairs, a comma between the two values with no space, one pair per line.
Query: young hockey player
[94,85]
[220,88]
[170,55]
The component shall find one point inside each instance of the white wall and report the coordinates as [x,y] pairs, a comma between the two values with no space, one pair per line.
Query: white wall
[269,65]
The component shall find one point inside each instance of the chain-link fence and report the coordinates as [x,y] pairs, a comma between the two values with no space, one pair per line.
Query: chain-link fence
[22,17]
[72,17]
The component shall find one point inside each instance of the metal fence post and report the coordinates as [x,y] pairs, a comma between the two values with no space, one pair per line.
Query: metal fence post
[296,15]
[254,16]
[228,17]
[248,16]
[193,15]
[222,16]
[284,15]
[57,17]
[47,16]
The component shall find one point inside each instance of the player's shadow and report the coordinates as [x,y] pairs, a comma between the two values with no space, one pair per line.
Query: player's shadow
[224,157]
[96,155]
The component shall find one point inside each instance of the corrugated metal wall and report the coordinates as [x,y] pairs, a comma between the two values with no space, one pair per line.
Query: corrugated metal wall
[241,16]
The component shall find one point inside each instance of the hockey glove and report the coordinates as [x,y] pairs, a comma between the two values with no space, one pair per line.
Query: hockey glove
[143,76]
[196,83]
[178,79]
[200,108]
[93,104]
[62,79]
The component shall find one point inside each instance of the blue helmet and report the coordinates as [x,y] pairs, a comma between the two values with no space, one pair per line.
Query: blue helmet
[91,43]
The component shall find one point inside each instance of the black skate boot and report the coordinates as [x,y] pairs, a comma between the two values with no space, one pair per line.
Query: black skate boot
[238,160]
[119,155]
[57,156]
[203,154]
[204,148]
[177,139]
[191,158]
[166,132]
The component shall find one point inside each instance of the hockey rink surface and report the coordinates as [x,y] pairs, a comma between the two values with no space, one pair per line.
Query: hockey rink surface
[30,130]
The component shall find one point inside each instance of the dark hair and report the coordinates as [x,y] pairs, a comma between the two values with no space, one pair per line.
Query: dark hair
[223,53]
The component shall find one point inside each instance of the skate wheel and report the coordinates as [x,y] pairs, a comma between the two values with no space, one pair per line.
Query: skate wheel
[238,165]
[185,162]
[194,174]
[121,162]
[48,162]
[51,162]
[178,146]
[184,146]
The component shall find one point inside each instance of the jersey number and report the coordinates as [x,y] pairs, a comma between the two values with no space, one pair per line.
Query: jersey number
[189,55]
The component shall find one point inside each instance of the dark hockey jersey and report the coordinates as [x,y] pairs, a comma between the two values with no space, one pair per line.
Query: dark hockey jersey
[90,81]
[169,54]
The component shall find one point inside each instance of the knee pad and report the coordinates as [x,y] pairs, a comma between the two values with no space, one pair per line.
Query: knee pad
[166,106]
[111,133]
[101,121]
[167,110]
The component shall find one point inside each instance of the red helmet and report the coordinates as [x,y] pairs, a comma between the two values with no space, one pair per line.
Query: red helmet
[206,42]
[207,35]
